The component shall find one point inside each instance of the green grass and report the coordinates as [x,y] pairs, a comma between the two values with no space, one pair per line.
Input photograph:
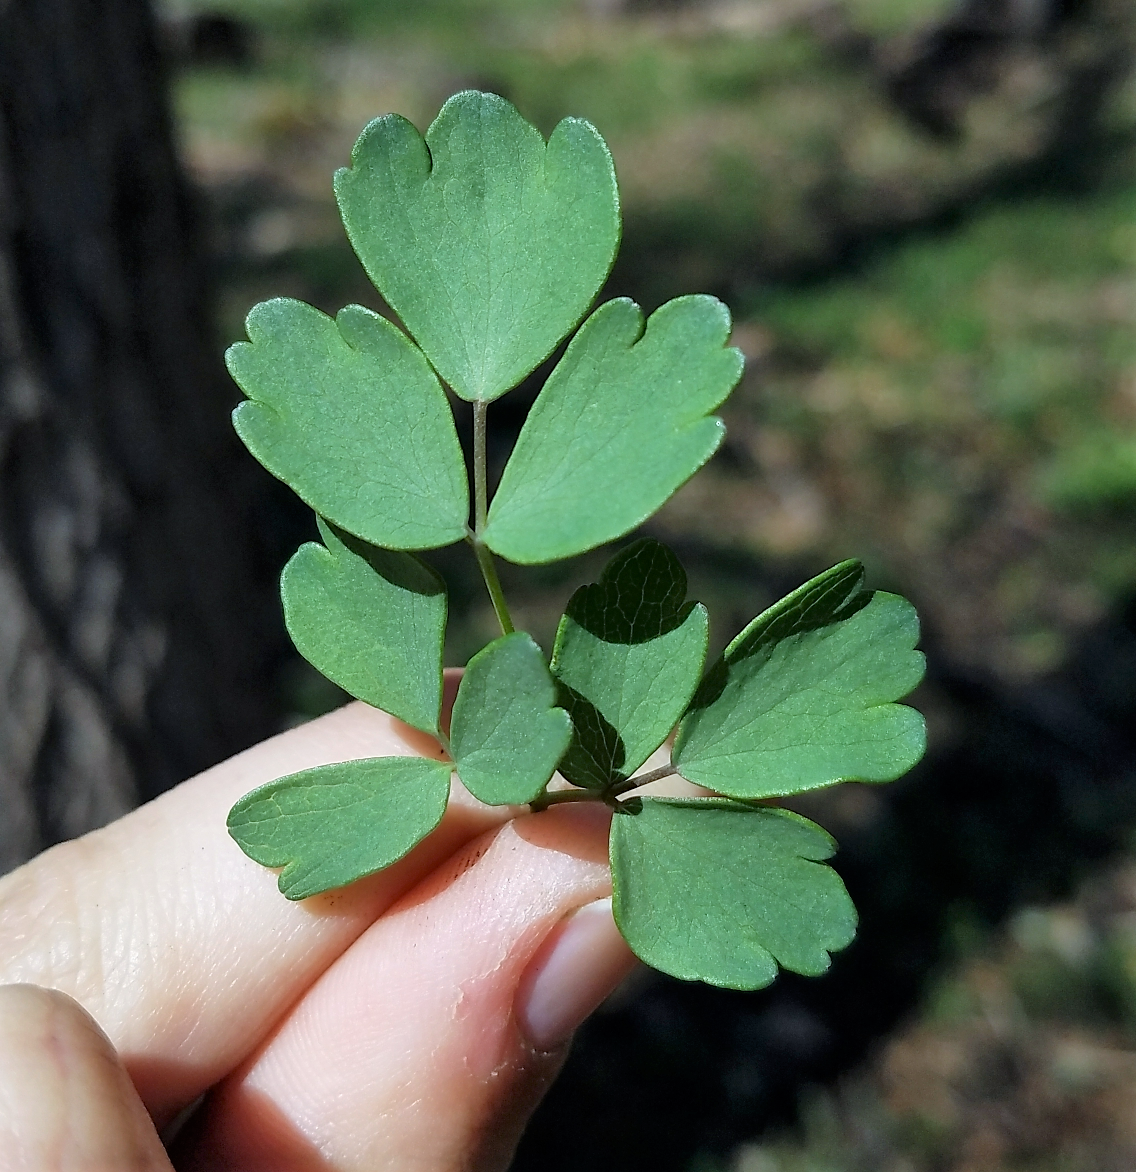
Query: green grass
[963,403]
[302,19]
[892,16]
[1034,297]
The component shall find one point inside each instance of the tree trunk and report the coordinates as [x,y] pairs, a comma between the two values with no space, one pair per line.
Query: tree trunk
[135,622]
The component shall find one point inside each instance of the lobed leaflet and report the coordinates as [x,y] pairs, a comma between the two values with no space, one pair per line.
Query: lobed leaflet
[490,245]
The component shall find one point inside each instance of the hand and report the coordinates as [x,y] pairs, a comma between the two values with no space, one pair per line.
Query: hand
[411,1021]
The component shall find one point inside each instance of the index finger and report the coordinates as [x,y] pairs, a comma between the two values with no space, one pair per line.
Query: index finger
[181,947]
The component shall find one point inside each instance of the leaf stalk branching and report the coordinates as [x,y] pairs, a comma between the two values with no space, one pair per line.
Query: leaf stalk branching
[621,787]
[610,795]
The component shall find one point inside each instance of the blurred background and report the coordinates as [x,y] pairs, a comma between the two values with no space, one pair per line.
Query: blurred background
[922,214]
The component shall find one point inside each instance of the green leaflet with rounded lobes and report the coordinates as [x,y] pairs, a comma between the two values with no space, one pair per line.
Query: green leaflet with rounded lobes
[372,620]
[804,696]
[348,413]
[506,734]
[628,656]
[712,890]
[334,824]
[488,243]
[622,422]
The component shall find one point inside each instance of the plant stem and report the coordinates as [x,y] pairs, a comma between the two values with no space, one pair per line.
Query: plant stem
[558,797]
[643,779]
[591,795]
[492,582]
[480,494]
[480,512]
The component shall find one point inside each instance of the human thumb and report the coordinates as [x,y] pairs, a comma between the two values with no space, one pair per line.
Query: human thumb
[66,1102]
[428,1043]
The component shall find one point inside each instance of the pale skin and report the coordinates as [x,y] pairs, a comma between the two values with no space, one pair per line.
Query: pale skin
[410,1022]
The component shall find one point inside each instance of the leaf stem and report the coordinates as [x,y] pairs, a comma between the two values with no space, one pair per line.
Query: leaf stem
[558,797]
[608,795]
[492,582]
[480,493]
[480,512]
[631,783]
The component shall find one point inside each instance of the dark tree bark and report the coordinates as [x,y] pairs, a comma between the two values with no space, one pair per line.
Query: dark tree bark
[135,623]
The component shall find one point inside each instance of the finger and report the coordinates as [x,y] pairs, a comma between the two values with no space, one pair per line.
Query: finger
[428,1043]
[181,947]
[66,1100]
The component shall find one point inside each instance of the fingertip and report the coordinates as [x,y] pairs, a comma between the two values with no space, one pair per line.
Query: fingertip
[216,953]
[465,993]
[580,963]
[65,1098]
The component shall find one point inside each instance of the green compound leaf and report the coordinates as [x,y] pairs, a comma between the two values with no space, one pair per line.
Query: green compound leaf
[350,415]
[372,620]
[334,824]
[506,737]
[488,244]
[709,890]
[803,697]
[628,656]
[621,423]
